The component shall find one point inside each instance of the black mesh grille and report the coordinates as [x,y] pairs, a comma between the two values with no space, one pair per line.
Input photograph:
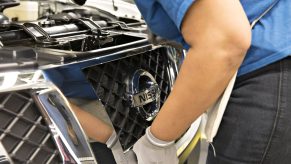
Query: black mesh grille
[23,132]
[109,83]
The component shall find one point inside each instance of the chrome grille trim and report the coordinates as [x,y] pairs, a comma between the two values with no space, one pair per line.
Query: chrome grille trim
[25,129]
[29,134]
[109,81]
[57,122]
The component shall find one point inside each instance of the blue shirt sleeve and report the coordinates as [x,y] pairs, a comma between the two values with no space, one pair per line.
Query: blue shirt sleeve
[164,17]
[71,81]
[176,9]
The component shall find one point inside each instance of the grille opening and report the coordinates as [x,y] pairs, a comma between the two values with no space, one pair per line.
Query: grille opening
[83,43]
[23,131]
[109,82]
[93,42]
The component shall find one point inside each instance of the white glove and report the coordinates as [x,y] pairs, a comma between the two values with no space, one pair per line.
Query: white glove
[150,150]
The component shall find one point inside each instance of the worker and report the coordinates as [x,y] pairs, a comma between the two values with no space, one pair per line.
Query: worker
[256,125]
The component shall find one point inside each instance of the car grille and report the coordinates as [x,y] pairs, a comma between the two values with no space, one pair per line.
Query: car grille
[109,82]
[23,131]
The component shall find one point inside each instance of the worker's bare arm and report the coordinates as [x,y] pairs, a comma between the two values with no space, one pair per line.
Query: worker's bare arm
[219,35]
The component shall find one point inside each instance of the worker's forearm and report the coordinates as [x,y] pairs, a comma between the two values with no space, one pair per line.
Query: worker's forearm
[202,79]
[94,128]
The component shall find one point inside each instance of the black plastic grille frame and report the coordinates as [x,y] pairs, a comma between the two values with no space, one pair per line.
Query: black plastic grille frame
[23,131]
[109,82]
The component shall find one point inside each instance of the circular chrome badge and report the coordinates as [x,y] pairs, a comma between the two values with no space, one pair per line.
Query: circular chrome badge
[143,93]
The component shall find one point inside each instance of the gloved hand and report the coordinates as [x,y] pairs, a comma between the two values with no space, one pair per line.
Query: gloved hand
[150,150]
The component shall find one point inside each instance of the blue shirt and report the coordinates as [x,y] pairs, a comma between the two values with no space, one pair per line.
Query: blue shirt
[271,37]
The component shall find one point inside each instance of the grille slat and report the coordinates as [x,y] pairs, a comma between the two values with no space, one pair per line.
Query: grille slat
[109,82]
[23,132]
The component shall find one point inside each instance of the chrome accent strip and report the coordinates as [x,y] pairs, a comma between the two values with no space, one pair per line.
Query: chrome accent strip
[59,117]
[4,157]
[172,67]
[86,159]
[34,85]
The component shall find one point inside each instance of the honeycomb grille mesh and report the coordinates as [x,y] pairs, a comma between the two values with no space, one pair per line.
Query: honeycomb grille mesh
[109,82]
[23,132]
